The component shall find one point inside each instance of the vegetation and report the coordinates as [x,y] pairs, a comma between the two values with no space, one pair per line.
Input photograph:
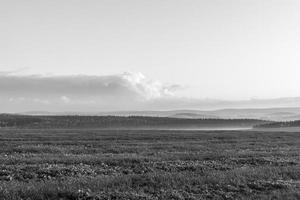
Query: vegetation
[119,122]
[279,124]
[148,164]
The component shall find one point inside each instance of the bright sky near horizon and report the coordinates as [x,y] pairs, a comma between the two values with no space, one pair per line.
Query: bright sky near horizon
[233,49]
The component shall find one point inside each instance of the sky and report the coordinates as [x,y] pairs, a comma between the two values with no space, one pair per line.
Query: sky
[158,54]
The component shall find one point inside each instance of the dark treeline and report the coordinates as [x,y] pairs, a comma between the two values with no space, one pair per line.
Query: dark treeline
[7,120]
[279,124]
[118,122]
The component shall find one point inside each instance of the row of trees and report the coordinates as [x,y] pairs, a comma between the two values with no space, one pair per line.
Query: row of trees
[115,121]
[280,124]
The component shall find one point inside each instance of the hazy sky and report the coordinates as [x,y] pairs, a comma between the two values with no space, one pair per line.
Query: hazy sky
[197,49]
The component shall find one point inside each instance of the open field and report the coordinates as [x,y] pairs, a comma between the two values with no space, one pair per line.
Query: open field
[148,164]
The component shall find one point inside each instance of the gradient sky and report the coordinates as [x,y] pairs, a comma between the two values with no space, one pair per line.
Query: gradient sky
[199,49]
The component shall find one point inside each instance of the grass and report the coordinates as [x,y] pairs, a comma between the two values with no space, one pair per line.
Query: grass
[148,164]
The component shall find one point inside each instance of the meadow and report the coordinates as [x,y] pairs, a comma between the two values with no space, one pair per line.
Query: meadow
[148,164]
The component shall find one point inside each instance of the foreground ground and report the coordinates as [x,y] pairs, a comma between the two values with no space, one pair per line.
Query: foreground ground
[122,164]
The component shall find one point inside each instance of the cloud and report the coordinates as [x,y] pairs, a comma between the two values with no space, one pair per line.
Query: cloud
[14,72]
[127,91]
[148,89]
[120,91]
[65,99]
[124,84]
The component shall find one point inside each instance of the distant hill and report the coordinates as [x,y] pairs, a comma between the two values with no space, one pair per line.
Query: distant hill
[272,114]
[193,116]
[73,121]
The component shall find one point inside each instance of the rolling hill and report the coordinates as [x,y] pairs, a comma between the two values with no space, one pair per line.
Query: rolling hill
[272,114]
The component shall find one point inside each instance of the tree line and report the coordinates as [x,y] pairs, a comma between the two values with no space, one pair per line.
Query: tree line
[115,121]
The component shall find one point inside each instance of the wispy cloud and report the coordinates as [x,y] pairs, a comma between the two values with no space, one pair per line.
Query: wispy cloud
[65,99]
[14,72]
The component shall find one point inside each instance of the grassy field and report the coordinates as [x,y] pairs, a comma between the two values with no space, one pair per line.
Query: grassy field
[148,164]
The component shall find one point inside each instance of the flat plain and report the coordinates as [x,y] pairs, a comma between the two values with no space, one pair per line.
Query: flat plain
[148,164]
